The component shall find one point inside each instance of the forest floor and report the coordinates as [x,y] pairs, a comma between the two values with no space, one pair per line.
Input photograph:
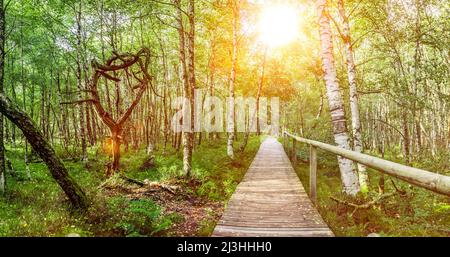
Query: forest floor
[410,211]
[149,198]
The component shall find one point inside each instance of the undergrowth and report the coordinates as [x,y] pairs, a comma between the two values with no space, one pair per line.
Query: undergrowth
[37,206]
[411,211]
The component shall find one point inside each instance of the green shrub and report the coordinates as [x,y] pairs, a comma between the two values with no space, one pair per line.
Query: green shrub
[143,217]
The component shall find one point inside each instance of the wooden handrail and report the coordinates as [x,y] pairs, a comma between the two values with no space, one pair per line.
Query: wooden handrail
[422,178]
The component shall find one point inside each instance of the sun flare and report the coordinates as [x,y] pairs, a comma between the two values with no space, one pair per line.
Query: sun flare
[278,25]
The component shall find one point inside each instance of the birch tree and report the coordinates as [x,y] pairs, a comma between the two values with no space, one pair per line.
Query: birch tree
[79,38]
[191,77]
[186,137]
[348,174]
[231,111]
[354,105]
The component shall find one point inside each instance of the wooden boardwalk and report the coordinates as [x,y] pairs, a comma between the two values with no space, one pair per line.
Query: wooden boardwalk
[271,201]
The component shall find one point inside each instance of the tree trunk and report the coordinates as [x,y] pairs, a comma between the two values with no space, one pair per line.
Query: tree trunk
[406,138]
[115,146]
[258,94]
[256,112]
[45,151]
[2,80]
[187,158]
[247,132]
[24,96]
[14,95]
[348,175]
[354,106]
[81,110]
[88,124]
[191,75]
[231,111]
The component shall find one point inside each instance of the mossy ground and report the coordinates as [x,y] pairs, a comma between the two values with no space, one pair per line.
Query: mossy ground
[418,212]
[37,207]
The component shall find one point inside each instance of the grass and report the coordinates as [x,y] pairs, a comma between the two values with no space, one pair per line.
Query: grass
[416,213]
[216,173]
[37,207]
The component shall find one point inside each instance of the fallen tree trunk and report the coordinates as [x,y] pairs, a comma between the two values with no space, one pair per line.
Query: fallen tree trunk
[57,169]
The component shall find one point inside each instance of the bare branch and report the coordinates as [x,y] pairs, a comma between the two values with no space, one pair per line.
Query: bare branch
[106,75]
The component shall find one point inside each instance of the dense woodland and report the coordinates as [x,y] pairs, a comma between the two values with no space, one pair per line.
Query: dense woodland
[87,90]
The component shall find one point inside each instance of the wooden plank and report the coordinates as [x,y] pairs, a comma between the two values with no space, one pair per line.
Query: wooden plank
[251,231]
[270,200]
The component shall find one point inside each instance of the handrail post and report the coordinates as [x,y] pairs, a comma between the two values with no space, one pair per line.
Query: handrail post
[294,151]
[313,173]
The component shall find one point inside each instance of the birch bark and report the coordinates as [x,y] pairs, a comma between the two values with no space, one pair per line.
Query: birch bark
[231,111]
[348,175]
[354,106]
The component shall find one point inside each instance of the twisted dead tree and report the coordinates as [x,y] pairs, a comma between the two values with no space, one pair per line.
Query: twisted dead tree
[133,69]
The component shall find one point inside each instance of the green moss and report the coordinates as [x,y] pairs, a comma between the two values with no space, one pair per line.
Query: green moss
[38,207]
[418,213]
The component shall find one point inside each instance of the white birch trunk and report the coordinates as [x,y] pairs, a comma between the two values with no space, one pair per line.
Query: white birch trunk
[348,175]
[354,107]
[231,112]
[186,92]
[79,56]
